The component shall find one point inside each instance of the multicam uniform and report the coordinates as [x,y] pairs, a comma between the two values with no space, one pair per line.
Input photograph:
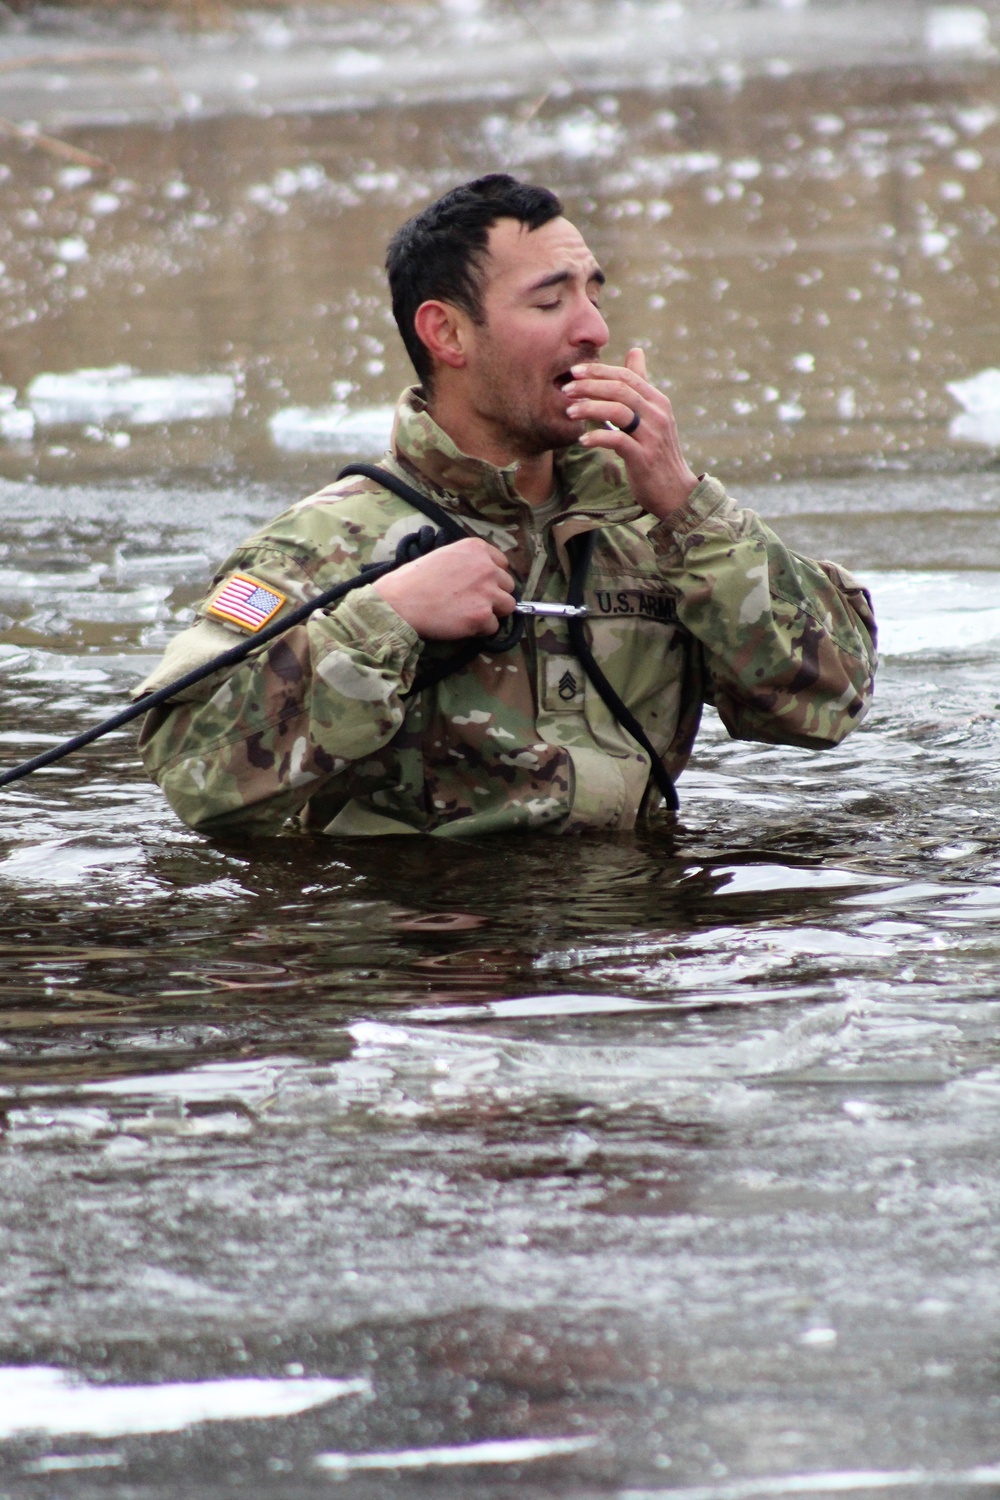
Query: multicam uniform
[708,606]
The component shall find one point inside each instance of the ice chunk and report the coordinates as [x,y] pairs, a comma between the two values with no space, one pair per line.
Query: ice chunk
[980,396]
[119,394]
[957,28]
[977,427]
[74,177]
[977,118]
[350,63]
[40,1399]
[16,424]
[332,429]
[934,611]
[186,565]
[980,393]
[72,249]
[934,242]
[499,1451]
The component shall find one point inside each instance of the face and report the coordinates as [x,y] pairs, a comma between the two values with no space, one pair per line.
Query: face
[541,306]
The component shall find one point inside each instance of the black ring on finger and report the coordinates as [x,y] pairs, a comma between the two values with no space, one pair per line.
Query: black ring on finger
[628,431]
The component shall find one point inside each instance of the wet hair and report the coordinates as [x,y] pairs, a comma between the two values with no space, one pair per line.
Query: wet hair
[441,252]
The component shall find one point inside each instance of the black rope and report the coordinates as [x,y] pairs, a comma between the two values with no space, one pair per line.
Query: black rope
[510,632]
[430,508]
[584,548]
[229,658]
[414,545]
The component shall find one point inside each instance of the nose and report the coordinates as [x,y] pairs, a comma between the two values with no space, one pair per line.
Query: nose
[590,328]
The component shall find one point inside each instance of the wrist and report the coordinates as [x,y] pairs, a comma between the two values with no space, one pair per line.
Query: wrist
[679,495]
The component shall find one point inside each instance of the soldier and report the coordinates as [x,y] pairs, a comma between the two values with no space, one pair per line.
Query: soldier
[550,460]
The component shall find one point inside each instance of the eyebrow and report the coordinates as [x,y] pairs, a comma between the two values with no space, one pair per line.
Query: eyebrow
[559,277]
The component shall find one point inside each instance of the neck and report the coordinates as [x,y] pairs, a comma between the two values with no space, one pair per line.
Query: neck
[479,439]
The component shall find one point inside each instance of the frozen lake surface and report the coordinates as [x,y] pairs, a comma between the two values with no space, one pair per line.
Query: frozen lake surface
[656,1165]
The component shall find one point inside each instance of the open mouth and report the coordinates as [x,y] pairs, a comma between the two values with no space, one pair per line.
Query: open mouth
[563,380]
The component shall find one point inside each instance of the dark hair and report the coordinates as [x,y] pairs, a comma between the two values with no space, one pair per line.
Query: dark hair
[441,251]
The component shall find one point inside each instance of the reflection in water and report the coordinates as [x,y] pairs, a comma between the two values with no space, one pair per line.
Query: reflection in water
[674,1140]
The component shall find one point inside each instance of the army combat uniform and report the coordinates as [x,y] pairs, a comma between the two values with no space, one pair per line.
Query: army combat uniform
[706,607]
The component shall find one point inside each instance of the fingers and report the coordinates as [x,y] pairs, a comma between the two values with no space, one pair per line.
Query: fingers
[630,376]
[615,393]
[460,590]
[613,438]
[610,384]
[615,412]
[635,360]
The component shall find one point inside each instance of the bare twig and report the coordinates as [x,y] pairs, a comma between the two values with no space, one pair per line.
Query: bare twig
[530,26]
[54,147]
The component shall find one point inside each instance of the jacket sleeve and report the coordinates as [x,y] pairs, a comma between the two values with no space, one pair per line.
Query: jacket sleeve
[789,644]
[245,750]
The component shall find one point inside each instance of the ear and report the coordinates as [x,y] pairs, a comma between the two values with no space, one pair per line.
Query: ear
[443,329]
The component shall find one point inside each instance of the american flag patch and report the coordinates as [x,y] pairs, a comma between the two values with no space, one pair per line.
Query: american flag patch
[244,601]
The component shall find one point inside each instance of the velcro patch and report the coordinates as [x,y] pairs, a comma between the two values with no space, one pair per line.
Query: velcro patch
[564,684]
[635,602]
[245,601]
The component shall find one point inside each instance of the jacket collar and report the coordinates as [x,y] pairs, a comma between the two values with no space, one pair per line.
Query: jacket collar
[591,482]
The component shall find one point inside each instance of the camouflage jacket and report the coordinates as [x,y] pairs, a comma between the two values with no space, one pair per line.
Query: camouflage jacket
[708,607]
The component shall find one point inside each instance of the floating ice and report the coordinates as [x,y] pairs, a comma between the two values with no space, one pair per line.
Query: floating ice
[578,136]
[104,203]
[839,1482]
[118,394]
[74,177]
[40,1399]
[934,611]
[65,1463]
[332,429]
[72,249]
[977,118]
[980,396]
[503,1451]
[818,1338]
[741,879]
[52,864]
[16,424]
[957,28]
[350,63]
[934,242]
[250,1082]
[532,1005]
[14,580]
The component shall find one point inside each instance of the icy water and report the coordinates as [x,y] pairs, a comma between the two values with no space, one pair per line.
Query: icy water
[656,1165]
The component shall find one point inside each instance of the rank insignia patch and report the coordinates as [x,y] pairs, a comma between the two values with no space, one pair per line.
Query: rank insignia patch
[244,601]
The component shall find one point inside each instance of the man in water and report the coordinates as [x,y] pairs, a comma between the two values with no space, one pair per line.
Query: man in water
[538,448]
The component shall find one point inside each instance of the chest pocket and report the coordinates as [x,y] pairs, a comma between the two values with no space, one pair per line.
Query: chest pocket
[634,633]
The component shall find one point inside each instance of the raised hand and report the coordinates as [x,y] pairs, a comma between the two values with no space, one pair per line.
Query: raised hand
[659,475]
